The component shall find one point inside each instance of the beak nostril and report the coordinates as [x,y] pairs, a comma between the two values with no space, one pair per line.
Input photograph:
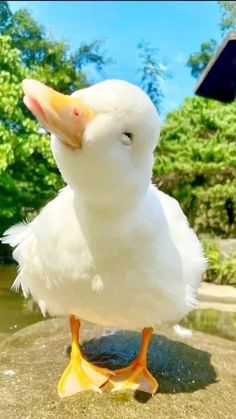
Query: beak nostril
[76,112]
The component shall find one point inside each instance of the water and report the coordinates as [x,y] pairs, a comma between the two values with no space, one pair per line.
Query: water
[17,312]
[214,322]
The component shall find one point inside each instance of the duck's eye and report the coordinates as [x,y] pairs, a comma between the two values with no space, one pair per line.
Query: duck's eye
[126,138]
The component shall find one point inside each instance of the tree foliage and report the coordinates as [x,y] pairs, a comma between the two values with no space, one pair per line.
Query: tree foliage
[152,73]
[199,60]
[196,163]
[28,175]
[221,265]
[228,17]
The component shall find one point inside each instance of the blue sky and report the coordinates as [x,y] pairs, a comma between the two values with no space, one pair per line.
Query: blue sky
[176,28]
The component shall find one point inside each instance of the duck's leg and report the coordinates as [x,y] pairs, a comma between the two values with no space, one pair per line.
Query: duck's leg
[136,376]
[80,375]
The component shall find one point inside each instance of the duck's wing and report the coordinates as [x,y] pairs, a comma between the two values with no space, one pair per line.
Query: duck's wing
[19,236]
[186,243]
[23,238]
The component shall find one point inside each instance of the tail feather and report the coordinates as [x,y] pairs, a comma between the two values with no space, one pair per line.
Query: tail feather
[15,235]
[18,283]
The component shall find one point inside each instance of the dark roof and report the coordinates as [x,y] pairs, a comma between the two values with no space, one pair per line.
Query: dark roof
[218,79]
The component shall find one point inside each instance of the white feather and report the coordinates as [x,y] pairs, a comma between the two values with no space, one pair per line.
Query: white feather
[15,234]
[182,331]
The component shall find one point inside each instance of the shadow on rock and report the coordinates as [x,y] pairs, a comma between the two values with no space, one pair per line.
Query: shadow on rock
[178,367]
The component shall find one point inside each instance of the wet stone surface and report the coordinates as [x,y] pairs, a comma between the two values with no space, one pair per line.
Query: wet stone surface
[196,375]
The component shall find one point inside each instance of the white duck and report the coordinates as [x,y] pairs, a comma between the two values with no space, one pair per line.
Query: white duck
[110,248]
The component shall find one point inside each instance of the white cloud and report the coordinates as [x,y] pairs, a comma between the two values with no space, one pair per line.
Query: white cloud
[180,58]
[163,67]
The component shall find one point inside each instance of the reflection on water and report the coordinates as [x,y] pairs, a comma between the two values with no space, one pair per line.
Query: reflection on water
[215,322]
[16,312]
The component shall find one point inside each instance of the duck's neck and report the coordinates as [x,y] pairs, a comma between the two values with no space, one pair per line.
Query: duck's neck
[105,211]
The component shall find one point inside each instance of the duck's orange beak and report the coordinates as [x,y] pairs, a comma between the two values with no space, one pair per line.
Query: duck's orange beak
[62,115]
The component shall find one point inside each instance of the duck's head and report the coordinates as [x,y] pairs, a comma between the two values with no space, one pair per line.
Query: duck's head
[102,139]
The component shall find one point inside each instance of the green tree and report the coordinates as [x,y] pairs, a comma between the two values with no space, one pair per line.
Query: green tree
[28,176]
[5,15]
[198,61]
[196,163]
[152,72]
[228,18]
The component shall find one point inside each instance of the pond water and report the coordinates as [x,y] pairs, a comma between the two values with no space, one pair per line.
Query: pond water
[17,312]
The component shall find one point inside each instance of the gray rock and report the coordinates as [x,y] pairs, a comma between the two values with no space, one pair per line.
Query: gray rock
[196,375]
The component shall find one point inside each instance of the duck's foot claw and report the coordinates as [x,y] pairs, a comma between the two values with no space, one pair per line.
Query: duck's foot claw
[134,377]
